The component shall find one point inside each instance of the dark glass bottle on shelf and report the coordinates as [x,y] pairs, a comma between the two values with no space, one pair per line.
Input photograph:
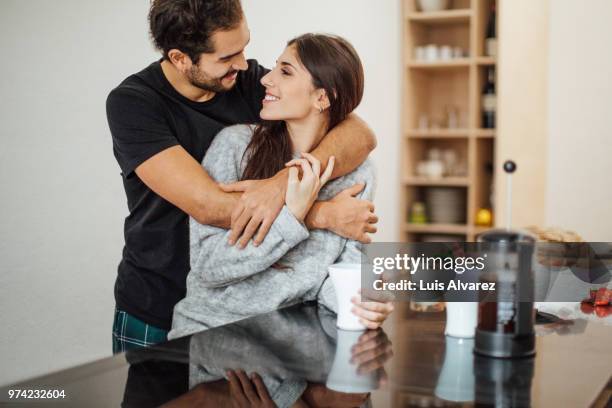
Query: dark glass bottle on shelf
[489,100]
[491,34]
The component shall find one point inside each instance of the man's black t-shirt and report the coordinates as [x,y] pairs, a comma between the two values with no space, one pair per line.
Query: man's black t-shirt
[147,115]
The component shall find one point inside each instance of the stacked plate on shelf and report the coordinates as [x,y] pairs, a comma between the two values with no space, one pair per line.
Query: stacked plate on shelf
[442,238]
[446,205]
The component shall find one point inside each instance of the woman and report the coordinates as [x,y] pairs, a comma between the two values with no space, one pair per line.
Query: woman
[317,82]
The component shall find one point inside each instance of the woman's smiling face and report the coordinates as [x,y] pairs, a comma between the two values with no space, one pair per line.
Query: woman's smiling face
[289,90]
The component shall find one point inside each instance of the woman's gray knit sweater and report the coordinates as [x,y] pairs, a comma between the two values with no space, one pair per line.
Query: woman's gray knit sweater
[226,284]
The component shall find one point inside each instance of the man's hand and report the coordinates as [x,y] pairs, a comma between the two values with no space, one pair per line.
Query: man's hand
[345,215]
[244,395]
[258,207]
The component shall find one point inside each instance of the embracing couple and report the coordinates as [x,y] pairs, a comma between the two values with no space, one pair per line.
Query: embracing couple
[243,184]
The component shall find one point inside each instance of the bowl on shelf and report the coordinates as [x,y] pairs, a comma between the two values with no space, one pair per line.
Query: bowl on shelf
[446,205]
[433,5]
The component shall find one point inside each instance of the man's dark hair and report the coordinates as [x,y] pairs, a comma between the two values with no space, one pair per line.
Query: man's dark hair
[188,25]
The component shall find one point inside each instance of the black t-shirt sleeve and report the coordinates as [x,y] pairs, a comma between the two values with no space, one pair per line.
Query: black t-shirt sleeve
[138,127]
[250,86]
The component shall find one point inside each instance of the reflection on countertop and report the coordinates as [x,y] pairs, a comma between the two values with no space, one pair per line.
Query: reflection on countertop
[301,359]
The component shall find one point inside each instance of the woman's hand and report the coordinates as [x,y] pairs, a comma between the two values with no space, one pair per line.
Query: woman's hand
[371,314]
[301,194]
[371,352]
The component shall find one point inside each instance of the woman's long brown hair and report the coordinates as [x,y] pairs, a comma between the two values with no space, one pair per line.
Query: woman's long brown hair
[335,67]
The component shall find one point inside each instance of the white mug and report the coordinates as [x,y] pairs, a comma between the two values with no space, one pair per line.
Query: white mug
[343,376]
[419,53]
[457,52]
[431,52]
[346,278]
[461,319]
[456,381]
[446,52]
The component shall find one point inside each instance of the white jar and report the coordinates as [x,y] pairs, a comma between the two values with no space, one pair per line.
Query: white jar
[446,52]
[432,53]
[435,169]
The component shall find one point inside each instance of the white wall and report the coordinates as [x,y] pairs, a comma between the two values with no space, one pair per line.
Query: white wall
[579,189]
[62,203]
[522,96]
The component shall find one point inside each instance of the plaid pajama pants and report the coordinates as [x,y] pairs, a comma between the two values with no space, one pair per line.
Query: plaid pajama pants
[131,333]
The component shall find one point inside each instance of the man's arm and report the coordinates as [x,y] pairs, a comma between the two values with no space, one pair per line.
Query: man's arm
[350,142]
[177,177]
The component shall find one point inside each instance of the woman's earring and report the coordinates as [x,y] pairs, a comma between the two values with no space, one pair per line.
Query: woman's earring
[320,109]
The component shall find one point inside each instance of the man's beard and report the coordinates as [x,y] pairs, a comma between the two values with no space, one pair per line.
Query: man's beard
[196,78]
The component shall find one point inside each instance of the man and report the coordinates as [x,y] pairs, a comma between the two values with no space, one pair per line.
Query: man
[162,121]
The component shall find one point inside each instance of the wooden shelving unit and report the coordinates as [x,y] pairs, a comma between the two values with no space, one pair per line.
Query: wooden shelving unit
[485,60]
[437,133]
[451,229]
[428,89]
[440,17]
[444,181]
[442,65]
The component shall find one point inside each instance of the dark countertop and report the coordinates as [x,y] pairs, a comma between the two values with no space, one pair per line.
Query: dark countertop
[297,346]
